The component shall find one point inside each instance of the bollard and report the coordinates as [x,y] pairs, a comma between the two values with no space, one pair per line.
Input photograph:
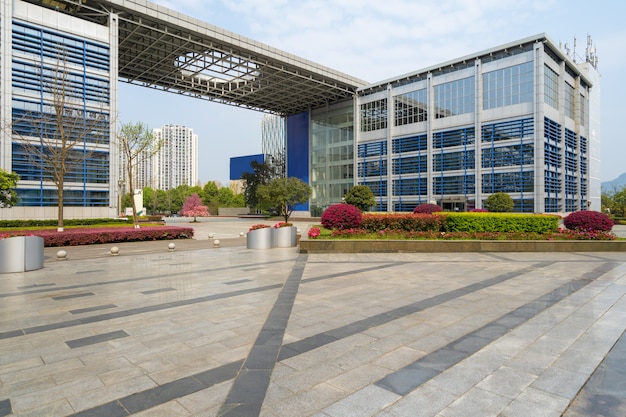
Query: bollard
[115,251]
[216,243]
[61,255]
[171,247]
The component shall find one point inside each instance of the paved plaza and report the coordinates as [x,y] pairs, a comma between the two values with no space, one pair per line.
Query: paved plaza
[228,331]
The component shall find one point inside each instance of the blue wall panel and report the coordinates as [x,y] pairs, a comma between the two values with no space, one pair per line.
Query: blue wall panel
[241,164]
[298,149]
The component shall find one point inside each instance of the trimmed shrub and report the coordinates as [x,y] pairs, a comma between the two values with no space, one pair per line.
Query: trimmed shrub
[588,220]
[66,222]
[499,203]
[427,208]
[75,237]
[403,222]
[502,222]
[477,210]
[341,216]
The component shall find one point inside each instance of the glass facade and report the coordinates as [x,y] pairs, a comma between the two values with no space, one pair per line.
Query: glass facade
[374,115]
[332,155]
[551,87]
[459,162]
[53,71]
[508,86]
[411,107]
[455,97]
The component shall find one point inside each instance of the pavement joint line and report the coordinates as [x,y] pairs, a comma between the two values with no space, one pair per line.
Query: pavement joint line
[248,410]
[157,307]
[257,368]
[332,335]
[594,397]
[410,377]
[124,281]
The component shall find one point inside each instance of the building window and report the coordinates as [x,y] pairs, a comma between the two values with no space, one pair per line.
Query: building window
[457,137]
[409,165]
[570,98]
[513,129]
[452,161]
[508,182]
[551,87]
[410,186]
[508,86]
[460,184]
[584,114]
[455,97]
[409,144]
[374,115]
[504,156]
[411,107]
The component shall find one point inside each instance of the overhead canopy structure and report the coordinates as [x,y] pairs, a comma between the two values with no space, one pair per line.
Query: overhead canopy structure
[166,50]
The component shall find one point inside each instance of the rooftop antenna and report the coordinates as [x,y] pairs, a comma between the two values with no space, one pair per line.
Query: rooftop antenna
[591,53]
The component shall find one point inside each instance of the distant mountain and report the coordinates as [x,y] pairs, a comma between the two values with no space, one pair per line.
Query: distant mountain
[616,184]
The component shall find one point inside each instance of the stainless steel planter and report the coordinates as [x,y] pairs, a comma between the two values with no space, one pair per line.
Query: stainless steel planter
[285,237]
[260,239]
[21,253]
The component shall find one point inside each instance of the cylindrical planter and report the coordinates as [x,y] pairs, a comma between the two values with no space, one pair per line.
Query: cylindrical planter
[285,237]
[21,253]
[260,239]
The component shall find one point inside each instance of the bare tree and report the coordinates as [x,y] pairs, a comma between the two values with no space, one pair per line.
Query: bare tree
[60,136]
[136,144]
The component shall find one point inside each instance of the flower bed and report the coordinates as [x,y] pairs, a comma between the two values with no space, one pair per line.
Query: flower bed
[561,234]
[90,236]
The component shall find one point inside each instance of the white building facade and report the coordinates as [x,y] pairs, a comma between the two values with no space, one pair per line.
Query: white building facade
[176,163]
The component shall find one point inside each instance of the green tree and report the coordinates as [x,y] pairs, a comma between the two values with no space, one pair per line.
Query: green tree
[499,203]
[262,173]
[8,182]
[150,199]
[239,200]
[136,144]
[283,194]
[619,202]
[225,197]
[209,192]
[178,196]
[360,196]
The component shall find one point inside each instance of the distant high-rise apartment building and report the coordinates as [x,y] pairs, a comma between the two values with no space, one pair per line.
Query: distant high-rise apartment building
[176,163]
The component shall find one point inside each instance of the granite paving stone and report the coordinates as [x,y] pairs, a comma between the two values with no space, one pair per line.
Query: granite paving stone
[378,334]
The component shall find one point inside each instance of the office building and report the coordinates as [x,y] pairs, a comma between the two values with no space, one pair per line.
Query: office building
[521,118]
[49,57]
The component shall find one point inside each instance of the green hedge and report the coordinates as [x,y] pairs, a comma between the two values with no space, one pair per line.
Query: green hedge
[68,222]
[501,222]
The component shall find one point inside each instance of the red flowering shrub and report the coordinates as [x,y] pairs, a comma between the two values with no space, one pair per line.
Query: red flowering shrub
[314,232]
[588,220]
[258,226]
[341,216]
[91,236]
[427,208]
[477,210]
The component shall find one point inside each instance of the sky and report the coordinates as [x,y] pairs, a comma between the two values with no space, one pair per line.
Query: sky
[376,40]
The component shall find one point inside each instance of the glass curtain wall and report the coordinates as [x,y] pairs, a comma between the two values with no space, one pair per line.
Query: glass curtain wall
[332,155]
